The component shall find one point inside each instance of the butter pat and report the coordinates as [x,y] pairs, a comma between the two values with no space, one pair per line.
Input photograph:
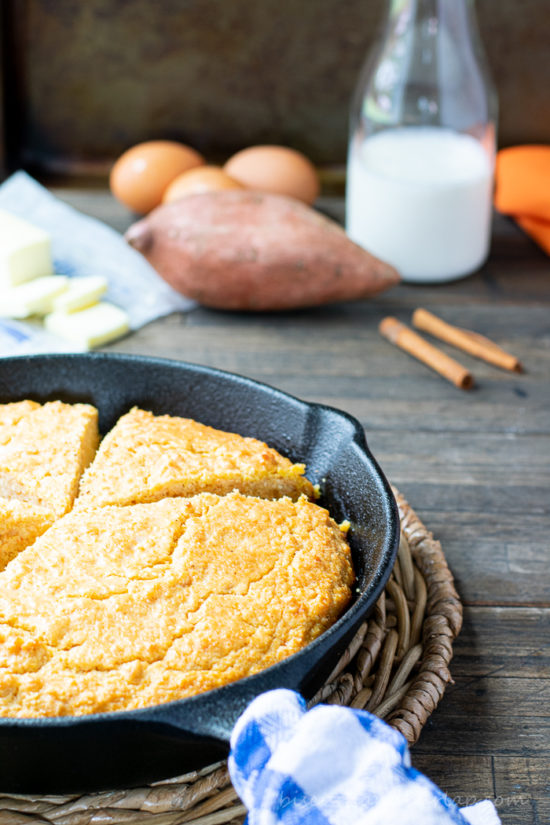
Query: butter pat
[25,251]
[81,293]
[32,298]
[89,327]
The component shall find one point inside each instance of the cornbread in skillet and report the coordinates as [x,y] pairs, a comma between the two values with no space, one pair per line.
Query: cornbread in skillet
[124,607]
[43,452]
[146,458]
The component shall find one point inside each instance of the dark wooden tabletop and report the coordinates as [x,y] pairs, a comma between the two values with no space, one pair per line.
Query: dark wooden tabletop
[474,465]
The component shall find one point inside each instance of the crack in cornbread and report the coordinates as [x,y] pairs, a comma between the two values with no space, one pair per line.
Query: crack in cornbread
[146,458]
[124,607]
[43,451]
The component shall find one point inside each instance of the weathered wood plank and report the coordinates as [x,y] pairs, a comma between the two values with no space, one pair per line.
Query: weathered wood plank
[453,774]
[522,787]
[504,642]
[501,696]
[523,776]
[496,707]
[491,714]
[493,499]
[518,786]
[469,458]
[478,733]
[518,810]
[496,559]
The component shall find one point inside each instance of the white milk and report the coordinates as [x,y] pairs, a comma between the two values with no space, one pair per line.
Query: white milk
[420,199]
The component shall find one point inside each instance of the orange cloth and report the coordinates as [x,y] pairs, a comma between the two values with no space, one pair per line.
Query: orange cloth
[523,189]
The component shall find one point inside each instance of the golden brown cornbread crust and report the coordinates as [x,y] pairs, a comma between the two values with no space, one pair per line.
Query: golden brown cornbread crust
[146,458]
[11,414]
[20,524]
[125,607]
[43,452]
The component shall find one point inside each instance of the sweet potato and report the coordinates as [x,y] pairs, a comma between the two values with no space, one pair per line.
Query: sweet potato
[245,250]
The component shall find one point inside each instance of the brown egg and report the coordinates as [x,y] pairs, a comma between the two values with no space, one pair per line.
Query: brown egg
[196,181]
[275,169]
[140,176]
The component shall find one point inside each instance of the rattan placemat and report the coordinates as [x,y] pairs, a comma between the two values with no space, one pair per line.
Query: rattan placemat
[397,666]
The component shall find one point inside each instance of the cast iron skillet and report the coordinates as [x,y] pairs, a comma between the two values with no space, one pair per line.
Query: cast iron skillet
[122,749]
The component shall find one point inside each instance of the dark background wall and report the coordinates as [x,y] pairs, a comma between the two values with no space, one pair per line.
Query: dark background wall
[84,79]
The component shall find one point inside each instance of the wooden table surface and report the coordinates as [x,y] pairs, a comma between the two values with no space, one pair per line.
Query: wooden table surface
[475,466]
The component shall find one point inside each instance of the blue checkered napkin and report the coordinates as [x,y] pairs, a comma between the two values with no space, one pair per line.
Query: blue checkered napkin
[333,766]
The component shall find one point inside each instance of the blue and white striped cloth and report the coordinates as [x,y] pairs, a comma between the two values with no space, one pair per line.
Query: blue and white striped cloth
[333,766]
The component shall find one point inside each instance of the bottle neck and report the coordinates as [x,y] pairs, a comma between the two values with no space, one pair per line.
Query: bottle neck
[428,69]
[431,9]
[428,21]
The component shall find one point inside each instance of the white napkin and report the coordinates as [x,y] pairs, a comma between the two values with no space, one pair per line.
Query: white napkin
[82,245]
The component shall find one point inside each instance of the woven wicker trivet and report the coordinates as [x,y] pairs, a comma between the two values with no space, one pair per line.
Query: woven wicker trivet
[396,666]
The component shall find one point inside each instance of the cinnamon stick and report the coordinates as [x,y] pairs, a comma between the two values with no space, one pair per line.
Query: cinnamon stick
[406,339]
[466,340]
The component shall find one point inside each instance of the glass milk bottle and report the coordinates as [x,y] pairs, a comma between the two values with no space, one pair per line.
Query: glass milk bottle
[422,143]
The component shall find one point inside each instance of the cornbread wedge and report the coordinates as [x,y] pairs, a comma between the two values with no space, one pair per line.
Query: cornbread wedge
[43,452]
[125,607]
[145,458]
[20,524]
